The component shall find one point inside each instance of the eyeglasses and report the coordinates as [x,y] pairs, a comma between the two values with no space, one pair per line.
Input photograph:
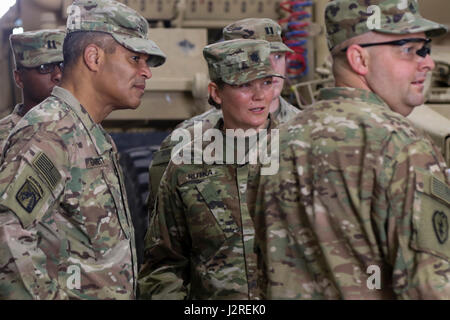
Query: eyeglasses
[48,67]
[422,52]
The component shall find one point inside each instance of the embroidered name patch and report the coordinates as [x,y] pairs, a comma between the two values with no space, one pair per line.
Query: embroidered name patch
[200,175]
[94,162]
[29,194]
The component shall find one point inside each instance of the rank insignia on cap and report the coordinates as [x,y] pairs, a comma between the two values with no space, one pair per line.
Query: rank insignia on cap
[269,30]
[255,57]
[51,44]
[440,225]
[29,195]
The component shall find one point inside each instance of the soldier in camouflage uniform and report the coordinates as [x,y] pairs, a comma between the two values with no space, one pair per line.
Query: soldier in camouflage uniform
[38,61]
[65,227]
[252,28]
[360,207]
[200,240]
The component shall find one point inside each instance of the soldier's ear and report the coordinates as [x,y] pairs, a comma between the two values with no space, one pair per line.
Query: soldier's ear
[213,90]
[18,79]
[358,59]
[93,57]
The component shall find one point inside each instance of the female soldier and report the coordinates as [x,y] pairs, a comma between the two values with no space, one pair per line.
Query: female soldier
[200,239]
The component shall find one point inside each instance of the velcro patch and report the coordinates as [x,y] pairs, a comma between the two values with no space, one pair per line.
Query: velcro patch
[440,190]
[431,213]
[440,224]
[94,162]
[47,169]
[29,194]
[197,175]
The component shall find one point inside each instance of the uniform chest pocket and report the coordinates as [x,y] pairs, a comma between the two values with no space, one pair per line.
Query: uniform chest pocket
[95,203]
[216,204]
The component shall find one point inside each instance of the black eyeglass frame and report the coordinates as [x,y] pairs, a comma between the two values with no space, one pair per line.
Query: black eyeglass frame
[51,66]
[422,52]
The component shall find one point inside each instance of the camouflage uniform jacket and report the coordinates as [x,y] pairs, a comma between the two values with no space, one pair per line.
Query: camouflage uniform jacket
[8,123]
[209,118]
[200,240]
[359,209]
[65,227]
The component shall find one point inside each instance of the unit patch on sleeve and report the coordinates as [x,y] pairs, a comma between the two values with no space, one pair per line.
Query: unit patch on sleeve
[29,194]
[440,224]
[431,213]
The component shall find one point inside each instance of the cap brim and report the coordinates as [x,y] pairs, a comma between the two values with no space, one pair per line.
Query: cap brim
[157,57]
[250,74]
[44,59]
[431,29]
[279,47]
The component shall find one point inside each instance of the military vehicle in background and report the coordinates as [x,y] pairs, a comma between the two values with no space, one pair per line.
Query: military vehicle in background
[178,89]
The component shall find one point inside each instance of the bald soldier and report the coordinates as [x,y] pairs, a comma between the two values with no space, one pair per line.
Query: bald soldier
[360,207]
[38,61]
[65,227]
[251,28]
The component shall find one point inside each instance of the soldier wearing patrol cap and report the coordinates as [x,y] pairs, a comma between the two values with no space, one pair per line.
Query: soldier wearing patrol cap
[38,61]
[360,208]
[200,240]
[269,30]
[282,111]
[65,227]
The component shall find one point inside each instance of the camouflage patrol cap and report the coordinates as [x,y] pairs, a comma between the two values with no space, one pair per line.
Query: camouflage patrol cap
[346,19]
[124,24]
[33,48]
[239,61]
[257,29]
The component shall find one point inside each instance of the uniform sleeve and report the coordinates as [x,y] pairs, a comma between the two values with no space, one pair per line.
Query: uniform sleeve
[158,166]
[31,180]
[165,270]
[418,200]
[156,170]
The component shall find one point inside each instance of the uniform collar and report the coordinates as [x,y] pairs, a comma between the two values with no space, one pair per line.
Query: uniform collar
[17,108]
[98,135]
[232,142]
[273,122]
[351,93]
[282,107]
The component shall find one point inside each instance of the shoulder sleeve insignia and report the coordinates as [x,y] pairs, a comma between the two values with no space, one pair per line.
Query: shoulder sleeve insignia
[440,224]
[431,216]
[47,169]
[29,194]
